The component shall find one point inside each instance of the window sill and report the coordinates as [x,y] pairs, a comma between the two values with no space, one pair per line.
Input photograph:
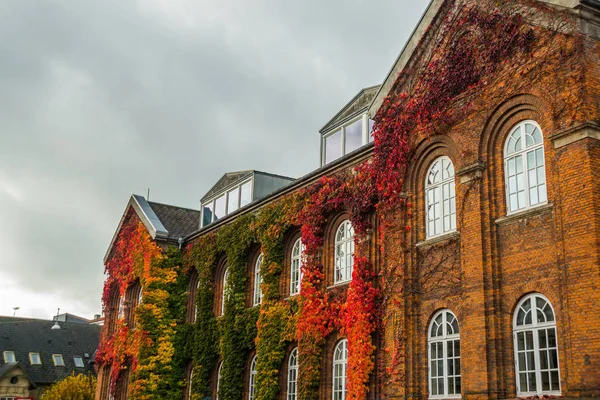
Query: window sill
[446,237]
[528,213]
[339,284]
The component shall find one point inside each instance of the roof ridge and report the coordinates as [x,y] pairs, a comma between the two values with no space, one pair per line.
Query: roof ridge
[171,205]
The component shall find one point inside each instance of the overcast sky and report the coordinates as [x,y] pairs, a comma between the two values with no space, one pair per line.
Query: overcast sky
[100,99]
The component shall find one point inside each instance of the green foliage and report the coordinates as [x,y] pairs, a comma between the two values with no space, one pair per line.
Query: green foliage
[74,387]
[162,316]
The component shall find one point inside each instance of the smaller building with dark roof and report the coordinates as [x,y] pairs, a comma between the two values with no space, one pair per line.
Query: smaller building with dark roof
[37,353]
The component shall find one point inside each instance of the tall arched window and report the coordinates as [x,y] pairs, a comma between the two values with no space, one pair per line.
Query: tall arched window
[340,366]
[292,375]
[344,252]
[536,347]
[257,280]
[218,380]
[524,167]
[444,356]
[440,197]
[195,300]
[252,380]
[224,291]
[296,267]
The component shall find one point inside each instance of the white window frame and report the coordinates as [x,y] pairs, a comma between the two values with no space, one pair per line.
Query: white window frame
[121,310]
[523,154]
[257,294]
[342,259]
[56,357]
[10,353]
[342,129]
[292,376]
[75,358]
[339,370]
[443,193]
[225,193]
[296,266]
[218,380]
[444,340]
[190,384]
[252,380]
[224,290]
[535,327]
[31,358]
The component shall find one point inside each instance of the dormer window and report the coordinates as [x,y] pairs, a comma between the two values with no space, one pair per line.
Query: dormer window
[350,129]
[237,189]
[226,203]
[347,138]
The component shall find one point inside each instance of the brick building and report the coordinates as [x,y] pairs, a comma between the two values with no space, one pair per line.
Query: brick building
[488,264]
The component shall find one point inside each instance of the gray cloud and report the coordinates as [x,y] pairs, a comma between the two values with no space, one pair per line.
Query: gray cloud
[99,99]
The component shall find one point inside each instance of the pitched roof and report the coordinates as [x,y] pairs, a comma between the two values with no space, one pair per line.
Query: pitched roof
[6,368]
[359,103]
[178,221]
[162,221]
[24,336]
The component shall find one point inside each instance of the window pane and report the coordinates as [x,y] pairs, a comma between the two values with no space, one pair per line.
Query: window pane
[220,207]
[233,200]
[353,136]
[333,147]
[207,213]
[246,197]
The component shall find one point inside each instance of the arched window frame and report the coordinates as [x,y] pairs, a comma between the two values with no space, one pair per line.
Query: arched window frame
[440,197]
[343,252]
[525,168]
[257,295]
[444,370]
[339,370]
[296,266]
[292,376]
[252,380]
[532,342]
[224,290]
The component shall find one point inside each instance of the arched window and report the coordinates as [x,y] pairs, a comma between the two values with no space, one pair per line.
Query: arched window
[524,167]
[218,380]
[257,280]
[121,311]
[296,267]
[340,366]
[252,380]
[344,252]
[195,300]
[536,347]
[224,290]
[440,197]
[444,356]
[292,375]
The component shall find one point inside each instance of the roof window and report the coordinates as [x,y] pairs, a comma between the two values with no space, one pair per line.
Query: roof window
[78,362]
[35,359]
[9,357]
[58,360]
